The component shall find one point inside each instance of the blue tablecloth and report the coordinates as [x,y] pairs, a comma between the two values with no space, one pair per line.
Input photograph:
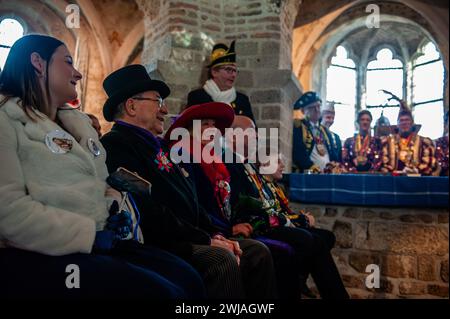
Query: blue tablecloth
[369,190]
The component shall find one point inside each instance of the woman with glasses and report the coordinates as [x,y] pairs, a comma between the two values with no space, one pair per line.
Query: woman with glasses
[222,73]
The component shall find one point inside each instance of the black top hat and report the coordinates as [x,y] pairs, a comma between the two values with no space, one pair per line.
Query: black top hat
[221,55]
[306,99]
[126,82]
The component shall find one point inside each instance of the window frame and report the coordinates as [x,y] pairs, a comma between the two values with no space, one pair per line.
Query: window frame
[362,69]
[17,18]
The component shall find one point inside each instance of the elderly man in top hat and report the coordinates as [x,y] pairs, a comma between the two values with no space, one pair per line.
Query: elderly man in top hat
[405,151]
[171,216]
[313,146]
[222,73]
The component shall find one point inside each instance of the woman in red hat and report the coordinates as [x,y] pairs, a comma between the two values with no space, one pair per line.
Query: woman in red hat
[213,180]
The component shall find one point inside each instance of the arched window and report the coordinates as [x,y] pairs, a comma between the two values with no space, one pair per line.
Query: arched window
[428,91]
[341,90]
[384,73]
[10,31]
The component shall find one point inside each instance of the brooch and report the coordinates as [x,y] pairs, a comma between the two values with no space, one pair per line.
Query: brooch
[163,162]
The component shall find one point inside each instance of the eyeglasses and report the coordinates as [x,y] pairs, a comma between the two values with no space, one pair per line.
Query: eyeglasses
[159,99]
[230,70]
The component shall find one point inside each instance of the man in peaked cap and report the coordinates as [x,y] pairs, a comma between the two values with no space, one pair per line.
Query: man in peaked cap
[222,73]
[327,119]
[313,148]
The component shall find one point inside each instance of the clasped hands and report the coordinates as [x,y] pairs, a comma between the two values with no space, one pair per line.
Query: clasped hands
[231,245]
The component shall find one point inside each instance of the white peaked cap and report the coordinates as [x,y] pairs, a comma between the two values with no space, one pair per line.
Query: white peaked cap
[328,107]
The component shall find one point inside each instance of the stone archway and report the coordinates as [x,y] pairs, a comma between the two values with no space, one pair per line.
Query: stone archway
[128,46]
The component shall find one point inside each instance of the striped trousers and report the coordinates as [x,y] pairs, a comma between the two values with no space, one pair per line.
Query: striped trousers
[225,279]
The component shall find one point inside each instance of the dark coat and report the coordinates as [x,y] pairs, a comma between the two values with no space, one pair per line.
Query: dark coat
[206,197]
[241,105]
[171,217]
[336,145]
[239,185]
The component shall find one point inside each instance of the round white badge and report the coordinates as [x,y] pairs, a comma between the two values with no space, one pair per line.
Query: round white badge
[93,147]
[59,142]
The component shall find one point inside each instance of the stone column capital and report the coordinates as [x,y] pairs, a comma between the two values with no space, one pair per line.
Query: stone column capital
[150,8]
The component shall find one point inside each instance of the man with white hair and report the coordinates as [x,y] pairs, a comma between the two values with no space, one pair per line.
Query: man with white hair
[327,120]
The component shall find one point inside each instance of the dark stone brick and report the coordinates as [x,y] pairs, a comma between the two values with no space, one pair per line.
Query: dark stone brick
[351,212]
[360,260]
[330,212]
[343,232]
[438,290]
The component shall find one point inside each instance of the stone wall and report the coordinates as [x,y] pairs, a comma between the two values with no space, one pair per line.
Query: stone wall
[179,38]
[409,245]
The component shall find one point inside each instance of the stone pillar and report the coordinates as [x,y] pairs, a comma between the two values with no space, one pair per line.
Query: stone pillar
[179,35]
[264,48]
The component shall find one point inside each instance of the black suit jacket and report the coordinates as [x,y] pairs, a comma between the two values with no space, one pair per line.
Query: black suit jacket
[171,216]
[336,144]
[241,105]
[206,197]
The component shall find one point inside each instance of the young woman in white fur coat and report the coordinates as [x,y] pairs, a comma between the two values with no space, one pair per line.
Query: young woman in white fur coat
[54,201]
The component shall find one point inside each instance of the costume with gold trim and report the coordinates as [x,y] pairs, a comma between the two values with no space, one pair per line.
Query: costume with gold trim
[442,154]
[362,154]
[408,154]
[413,153]
[304,142]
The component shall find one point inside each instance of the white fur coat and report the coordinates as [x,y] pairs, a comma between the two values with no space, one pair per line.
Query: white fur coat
[49,203]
